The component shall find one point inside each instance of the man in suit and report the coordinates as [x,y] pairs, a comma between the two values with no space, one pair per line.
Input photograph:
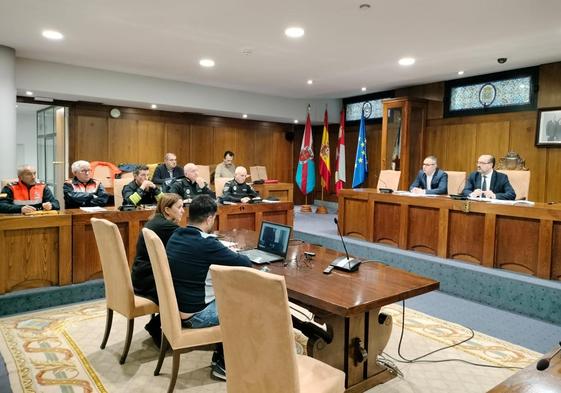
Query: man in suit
[488,183]
[430,179]
[166,173]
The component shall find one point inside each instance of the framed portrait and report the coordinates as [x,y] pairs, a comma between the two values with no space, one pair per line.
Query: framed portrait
[548,129]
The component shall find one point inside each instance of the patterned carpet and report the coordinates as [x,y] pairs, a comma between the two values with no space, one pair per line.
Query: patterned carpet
[58,351]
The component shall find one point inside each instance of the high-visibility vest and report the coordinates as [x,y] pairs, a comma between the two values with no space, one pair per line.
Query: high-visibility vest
[27,196]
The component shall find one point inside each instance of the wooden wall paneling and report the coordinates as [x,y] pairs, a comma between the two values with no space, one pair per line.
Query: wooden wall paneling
[460,143]
[224,139]
[281,159]
[151,141]
[90,139]
[178,138]
[202,145]
[553,175]
[435,145]
[123,141]
[549,94]
[245,148]
[492,138]
[374,143]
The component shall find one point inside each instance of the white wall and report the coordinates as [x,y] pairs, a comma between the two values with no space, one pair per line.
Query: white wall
[26,138]
[63,81]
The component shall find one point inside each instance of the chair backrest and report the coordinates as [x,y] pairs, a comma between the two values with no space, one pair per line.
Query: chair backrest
[456,182]
[169,310]
[5,182]
[258,173]
[520,181]
[116,272]
[152,169]
[256,330]
[128,175]
[104,175]
[204,172]
[118,186]
[219,185]
[388,179]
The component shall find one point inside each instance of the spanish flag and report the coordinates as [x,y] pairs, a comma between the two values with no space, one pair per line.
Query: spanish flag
[324,167]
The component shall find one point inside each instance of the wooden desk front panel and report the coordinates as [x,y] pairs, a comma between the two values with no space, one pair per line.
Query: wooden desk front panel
[517,244]
[283,191]
[387,222]
[35,252]
[422,231]
[353,216]
[556,252]
[466,237]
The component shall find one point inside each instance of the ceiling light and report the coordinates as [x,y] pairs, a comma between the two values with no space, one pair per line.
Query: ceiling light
[294,32]
[460,73]
[363,88]
[154,106]
[364,6]
[206,63]
[406,61]
[295,121]
[244,115]
[310,82]
[16,105]
[52,35]
[28,93]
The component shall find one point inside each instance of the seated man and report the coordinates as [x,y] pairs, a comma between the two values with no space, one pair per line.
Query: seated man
[488,183]
[82,190]
[190,252]
[237,190]
[191,185]
[27,195]
[166,173]
[430,179]
[141,190]
[225,168]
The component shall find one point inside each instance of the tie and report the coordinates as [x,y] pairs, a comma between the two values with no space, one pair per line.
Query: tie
[484,184]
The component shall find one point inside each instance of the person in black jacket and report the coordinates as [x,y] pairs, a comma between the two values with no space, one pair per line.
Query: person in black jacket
[166,173]
[141,191]
[191,185]
[237,190]
[430,179]
[165,221]
[82,189]
[488,183]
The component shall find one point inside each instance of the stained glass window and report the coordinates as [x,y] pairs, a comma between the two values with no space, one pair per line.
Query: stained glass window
[354,110]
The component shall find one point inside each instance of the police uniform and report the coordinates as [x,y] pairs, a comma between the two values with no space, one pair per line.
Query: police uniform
[78,194]
[234,191]
[16,195]
[134,195]
[188,189]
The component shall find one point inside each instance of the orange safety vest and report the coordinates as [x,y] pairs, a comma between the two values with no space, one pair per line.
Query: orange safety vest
[27,196]
[90,187]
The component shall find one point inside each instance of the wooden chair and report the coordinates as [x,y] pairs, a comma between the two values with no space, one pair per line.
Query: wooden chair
[119,293]
[173,334]
[388,179]
[520,181]
[456,182]
[118,186]
[259,339]
[258,173]
[204,172]
[219,185]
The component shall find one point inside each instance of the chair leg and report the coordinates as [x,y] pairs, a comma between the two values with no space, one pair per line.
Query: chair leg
[174,371]
[163,348]
[130,328]
[108,322]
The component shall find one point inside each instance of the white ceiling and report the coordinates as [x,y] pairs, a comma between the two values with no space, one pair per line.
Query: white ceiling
[344,47]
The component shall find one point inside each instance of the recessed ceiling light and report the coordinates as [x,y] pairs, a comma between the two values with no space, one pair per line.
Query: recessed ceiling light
[460,73]
[294,32]
[206,62]
[310,82]
[295,121]
[16,105]
[52,35]
[154,106]
[244,115]
[28,93]
[406,61]
[363,88]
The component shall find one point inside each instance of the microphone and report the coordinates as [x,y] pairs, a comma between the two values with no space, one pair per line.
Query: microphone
[347,263]
[543,364]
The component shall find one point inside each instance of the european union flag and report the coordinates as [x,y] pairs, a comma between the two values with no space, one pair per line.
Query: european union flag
[361,160]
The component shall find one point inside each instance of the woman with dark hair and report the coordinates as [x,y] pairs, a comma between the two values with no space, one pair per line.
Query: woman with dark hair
[164,222]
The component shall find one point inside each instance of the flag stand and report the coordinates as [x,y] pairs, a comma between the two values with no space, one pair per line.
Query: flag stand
[305,208]
[321,209]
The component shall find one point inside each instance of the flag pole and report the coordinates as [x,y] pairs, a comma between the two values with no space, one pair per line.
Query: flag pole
[305,208]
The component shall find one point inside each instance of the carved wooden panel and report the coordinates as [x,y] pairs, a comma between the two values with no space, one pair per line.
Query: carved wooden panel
[422,234]
[523,233]
[465,236]
[556,252]
[386,223]
[356,214]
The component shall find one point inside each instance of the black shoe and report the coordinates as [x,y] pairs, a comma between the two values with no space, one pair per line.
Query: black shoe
[219,369]
[153,328]
[215,357]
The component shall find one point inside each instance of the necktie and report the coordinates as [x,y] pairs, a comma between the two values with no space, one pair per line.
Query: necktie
[484,184]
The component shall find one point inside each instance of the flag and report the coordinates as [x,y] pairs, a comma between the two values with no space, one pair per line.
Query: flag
[306,171]
[324,166]
[340,177]
[361,160]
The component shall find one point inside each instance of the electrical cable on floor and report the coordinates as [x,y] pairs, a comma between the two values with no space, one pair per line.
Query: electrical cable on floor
[418,359]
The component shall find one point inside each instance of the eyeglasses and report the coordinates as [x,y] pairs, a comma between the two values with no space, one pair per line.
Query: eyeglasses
[483,163]
[424,164]
[85,170]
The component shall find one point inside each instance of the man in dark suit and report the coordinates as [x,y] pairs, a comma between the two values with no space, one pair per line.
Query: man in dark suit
[430,180]
[488,183]
[166,173]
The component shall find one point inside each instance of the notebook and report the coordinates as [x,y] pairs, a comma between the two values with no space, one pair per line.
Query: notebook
[272,245]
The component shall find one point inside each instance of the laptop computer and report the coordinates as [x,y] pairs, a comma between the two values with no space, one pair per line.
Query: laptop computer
[272,245]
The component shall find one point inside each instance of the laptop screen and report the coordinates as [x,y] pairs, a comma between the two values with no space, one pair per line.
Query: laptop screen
[274,238]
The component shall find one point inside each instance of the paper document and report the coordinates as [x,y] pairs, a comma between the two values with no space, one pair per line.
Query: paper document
[93,209]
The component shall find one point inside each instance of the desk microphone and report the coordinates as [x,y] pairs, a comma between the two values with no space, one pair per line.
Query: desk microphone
[347,263]
[543,364]
[384,189]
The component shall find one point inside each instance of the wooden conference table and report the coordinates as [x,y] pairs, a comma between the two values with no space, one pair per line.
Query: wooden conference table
[521,238]
[348,302]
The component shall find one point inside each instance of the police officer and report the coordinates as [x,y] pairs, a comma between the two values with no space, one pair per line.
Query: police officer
[82,189]
[27,195]
[237,190]
[141,190]
[191,185]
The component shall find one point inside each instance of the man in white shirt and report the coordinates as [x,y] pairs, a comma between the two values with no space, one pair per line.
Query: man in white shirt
[430,179]
[488,183]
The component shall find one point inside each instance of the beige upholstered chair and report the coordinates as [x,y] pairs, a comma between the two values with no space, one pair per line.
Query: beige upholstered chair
[259,339]
[118,186]
[388,179]
[5,182]
[173,334]
[258,173]
[118,285]
[219,185]
[204,172]
[104,175]
[456,182]
[520,181]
